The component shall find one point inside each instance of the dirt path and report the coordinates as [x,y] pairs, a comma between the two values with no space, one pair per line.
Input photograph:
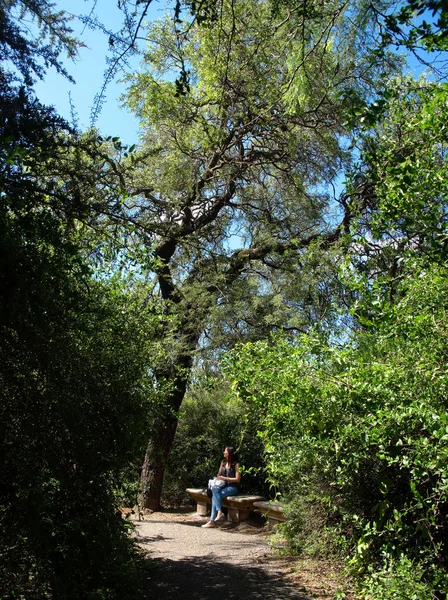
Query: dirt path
[224,563]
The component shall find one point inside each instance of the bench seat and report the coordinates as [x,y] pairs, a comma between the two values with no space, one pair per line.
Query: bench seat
[239,507]
[274,511]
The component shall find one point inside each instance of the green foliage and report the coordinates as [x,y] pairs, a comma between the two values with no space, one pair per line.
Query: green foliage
[398,579]
[74,386]
[364,429]
[72,415]
[404,158]
[312,529]
[418,24]
[32,52]
[401,181]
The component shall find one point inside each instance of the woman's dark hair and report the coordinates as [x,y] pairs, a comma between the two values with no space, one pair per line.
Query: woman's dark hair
[232,459]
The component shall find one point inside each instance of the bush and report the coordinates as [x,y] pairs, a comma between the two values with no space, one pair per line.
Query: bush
[74,399]
[311,529]
[73,414]
[363,429]
[399,579]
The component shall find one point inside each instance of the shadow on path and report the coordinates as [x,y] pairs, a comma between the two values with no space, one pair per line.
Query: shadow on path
[205,578]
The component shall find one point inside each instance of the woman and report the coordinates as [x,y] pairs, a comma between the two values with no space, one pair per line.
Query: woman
[229,471]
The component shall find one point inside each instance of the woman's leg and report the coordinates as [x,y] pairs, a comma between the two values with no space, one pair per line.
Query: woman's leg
[229,490]
[217,495]
[216,501]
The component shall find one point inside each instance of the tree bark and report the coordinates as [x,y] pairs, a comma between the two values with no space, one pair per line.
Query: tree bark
[163,432]
[153,470]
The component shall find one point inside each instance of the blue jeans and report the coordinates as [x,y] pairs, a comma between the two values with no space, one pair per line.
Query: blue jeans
[218,493]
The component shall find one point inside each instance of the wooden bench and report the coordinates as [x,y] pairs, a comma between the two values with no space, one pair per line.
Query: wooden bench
[239,507]
[274,511]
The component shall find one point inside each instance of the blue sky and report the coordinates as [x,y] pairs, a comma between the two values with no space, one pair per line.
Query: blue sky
[88,72]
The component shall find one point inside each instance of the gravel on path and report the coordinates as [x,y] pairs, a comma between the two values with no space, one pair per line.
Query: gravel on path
[223,563]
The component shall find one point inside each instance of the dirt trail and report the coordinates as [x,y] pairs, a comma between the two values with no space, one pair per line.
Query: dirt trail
[224,563]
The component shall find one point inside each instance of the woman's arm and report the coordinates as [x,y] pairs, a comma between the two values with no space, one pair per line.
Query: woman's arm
[219,472]
[235,479]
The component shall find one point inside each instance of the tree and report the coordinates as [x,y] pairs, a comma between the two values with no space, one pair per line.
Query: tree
[74,384]
[415,24]
[32,54]
[209,419]
[402,172]
[237,152]
[75,393]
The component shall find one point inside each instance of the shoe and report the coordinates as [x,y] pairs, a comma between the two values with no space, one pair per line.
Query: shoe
[222,517]
[209,524]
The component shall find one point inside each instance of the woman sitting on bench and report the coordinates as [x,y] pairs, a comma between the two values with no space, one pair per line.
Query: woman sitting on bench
[229,472]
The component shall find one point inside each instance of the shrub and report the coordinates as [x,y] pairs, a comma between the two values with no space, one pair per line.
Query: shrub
[399,579]
[363,428]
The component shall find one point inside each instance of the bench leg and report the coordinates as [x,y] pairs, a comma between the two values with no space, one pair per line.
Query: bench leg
[202,508]
[238,514]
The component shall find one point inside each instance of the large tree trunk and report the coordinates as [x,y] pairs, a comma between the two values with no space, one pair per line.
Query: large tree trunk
[163,432]
[153,470]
